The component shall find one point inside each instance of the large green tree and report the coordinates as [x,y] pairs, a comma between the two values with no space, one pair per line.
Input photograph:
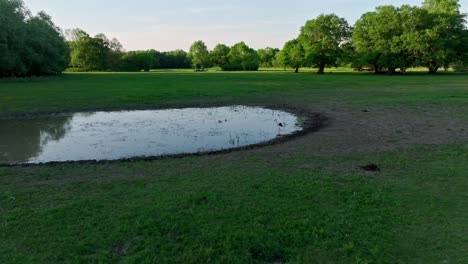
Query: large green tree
[292,55]
[199,55]
[323,38]
[377,38]
[400,37]
[29,45]
[443,41]
[219,55]
[88,53]
[47,51]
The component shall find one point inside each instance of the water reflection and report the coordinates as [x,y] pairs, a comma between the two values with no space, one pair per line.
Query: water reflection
[22,139]
[126,134]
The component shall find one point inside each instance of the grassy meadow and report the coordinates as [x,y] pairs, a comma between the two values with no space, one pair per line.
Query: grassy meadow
[301,201]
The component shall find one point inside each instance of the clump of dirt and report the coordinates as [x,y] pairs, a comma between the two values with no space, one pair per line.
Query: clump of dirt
[371,168]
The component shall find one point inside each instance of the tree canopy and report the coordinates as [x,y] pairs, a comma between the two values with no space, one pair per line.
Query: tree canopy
[29,45]
[433,36]
[219,55]
[242,58]
[199,55]
[322,39]
[292,55]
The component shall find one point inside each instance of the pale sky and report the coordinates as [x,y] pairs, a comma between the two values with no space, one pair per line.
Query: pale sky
[168,25]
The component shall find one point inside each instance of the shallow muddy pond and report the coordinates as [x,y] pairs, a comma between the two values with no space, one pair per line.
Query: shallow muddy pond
[134,134]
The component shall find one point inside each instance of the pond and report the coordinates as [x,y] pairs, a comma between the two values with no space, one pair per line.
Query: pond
[139,134]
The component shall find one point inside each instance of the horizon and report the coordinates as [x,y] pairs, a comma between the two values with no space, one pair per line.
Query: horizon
[177,25]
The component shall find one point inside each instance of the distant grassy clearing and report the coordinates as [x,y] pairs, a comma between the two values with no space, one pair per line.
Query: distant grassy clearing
[142,90]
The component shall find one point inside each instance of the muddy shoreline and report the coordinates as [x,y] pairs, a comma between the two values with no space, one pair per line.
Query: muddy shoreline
[312,122]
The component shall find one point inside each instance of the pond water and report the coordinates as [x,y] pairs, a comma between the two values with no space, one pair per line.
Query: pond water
[131,134]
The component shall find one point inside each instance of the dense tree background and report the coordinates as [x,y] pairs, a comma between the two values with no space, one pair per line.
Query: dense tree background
[29,45]
[242,58]
[433,36]
[388,39]
[267,57]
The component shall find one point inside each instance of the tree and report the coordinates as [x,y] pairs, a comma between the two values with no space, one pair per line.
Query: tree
[400,37]
[379,38]
[267,56]
[199,55]
[115,45]
[292,55]
[322,39]
[88,53]
[219,55]
[12,37]
[47,51]
[29,45]
[443,41]
[242,58]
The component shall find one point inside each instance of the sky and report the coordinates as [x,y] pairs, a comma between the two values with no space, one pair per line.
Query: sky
[175,24]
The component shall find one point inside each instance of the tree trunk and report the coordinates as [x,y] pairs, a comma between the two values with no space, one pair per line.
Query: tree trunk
[297,70]
[376,69]
[433,69]
[321,69]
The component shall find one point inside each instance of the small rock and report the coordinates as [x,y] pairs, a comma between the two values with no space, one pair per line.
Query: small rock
[280,125]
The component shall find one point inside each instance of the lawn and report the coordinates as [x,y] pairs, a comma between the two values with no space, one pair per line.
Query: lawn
[301,201]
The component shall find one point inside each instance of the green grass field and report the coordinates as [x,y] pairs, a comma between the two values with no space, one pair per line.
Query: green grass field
[302,201]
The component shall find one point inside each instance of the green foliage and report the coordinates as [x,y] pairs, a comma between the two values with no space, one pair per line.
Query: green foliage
[445,37]
[177,59]
[377,38]
[389,38]
[442,6]
[322,39]
[219,55]
[140,60]
[145,60]
[267,56]
[199,55]
[88,53]
[242,58]
[101,54]
[29,45]
[399,37]
[292,55]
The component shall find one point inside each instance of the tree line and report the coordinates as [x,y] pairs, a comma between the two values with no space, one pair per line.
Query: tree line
[98,53]
[388,39]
